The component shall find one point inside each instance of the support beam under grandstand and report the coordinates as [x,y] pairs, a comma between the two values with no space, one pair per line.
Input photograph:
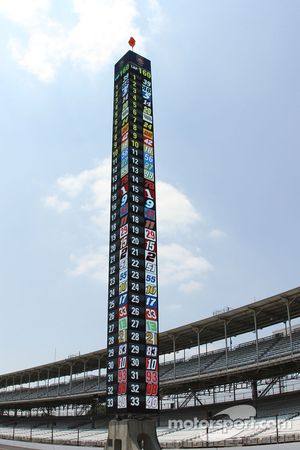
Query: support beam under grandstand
[38,383]
[226,343]
[99,371]
[269,386]
[174,355]
[254,391]
[48,382]
[199,354]
[84,374]
[71,377]
[256,335]
[198,331]
[290,325]
[58,376]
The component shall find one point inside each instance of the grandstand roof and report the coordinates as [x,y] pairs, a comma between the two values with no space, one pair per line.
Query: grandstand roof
[269,311]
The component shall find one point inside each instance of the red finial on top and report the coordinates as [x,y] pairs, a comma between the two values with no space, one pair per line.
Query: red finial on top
[131,42]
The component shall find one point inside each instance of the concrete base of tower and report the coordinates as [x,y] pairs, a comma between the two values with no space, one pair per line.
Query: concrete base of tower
[132,434]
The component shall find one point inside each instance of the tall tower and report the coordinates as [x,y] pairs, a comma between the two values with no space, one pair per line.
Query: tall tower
[132,347]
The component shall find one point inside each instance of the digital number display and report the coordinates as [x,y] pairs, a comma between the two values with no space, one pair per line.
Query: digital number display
[132,345]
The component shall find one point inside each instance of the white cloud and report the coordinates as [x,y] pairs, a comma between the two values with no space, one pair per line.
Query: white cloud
[53,202]
[156,17]
[100,31]
[191,286]
[73,185]
[94,186]
[89,193]
[92,263]
[43,54]
[216,233]
[174,209]
[178,265]
[27,13]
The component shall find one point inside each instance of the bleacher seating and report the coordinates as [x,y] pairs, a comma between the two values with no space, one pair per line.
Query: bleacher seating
[268,348]
[245,354]
[259,430]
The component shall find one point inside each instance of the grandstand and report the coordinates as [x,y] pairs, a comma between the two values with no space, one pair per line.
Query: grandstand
[263,372]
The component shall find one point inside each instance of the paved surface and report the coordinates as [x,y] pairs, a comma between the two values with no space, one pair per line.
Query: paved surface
[14,447]
[19,445]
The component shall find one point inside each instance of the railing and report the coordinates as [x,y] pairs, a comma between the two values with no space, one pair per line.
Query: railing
[53,435]
[267,430]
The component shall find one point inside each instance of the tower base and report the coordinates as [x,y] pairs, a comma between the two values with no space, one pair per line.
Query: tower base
[132,434]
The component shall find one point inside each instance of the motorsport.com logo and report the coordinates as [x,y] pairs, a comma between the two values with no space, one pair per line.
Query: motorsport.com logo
[238,417]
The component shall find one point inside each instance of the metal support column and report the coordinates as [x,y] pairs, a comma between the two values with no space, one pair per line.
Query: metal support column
[71,376]
[199,355]
[280,385]
[290,325]
[226,343]
[84,370]
[58,376]
[256,336]
[99,372]
[254,390]
[174,352]
[38,383]
[20,396]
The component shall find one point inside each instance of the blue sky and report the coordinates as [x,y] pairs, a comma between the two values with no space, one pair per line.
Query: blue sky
[226,105]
